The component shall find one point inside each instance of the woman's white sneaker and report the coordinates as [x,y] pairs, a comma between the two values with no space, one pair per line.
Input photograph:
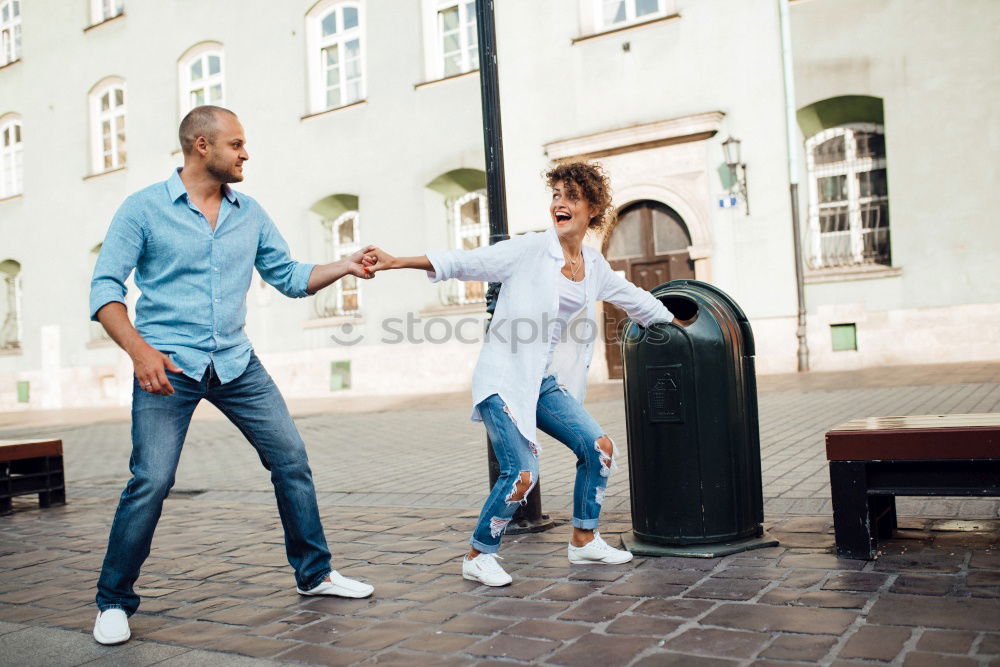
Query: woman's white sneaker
[597,551]
[340,586]
[485,569]
[111,627]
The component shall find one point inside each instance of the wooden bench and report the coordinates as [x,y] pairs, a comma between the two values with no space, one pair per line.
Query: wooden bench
[31,466]
[876,459]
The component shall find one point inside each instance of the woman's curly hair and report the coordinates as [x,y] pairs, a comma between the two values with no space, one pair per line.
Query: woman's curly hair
[589,181]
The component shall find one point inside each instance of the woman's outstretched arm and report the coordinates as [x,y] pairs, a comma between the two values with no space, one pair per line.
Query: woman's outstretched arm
[385,262]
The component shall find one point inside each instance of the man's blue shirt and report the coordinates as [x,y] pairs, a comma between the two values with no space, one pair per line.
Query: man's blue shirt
[193,280]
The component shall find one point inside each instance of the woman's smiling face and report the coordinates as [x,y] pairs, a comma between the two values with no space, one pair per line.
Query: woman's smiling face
[570,211]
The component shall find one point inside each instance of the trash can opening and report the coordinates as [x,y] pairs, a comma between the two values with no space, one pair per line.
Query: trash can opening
[684,310]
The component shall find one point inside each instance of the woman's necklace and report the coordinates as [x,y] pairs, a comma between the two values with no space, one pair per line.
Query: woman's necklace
[574,269]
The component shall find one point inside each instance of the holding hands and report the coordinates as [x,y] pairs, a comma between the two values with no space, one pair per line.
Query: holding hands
[376,260]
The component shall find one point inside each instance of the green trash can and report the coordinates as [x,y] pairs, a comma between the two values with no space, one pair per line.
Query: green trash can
[693,434]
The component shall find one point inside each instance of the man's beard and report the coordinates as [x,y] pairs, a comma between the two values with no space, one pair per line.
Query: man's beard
[223,175]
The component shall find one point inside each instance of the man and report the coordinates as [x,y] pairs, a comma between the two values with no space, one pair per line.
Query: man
[194,242]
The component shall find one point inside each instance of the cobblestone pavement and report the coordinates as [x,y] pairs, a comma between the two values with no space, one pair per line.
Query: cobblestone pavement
[431,455]
[398,491]
[217,581]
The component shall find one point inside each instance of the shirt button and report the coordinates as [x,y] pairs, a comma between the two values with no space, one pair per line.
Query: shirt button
[218,300]
[216,268]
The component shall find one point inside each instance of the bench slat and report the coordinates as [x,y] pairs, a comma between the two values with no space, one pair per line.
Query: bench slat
[15,450]
[919,437]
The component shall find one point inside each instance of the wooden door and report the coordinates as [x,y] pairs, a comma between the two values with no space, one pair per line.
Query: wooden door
[647,246]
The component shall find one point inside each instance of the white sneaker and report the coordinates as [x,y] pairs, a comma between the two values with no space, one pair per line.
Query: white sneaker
[485,569]
[340,586]
[111,627]
[597,551]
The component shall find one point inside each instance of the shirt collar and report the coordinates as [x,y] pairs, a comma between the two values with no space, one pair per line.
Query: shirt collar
[176,189]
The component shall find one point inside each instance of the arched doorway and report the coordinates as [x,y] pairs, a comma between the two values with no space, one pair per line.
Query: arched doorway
[648,246]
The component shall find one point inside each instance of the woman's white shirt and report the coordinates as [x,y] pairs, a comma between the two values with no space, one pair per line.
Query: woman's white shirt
[515,355]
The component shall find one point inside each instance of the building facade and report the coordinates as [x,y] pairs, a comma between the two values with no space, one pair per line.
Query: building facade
[364,126]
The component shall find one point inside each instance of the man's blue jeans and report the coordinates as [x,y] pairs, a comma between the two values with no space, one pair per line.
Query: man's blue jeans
[159,423]
[565,419]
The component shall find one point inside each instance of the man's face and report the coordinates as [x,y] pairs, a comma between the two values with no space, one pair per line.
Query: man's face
[227,153]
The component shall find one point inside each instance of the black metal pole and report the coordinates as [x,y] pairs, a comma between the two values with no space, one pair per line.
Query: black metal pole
[529,517]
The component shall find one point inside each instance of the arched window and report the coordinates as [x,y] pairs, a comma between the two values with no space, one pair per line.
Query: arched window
[336,57]
[342,238]
[848,197]
[11,157]
[457,44]
[105,10]
[470,229]
[107,105]
[10,305]
[201,76]
[10,31]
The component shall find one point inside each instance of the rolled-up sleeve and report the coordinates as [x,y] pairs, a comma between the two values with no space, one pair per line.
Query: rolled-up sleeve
[118,257]
[275,265]
[640,305]
[494,263]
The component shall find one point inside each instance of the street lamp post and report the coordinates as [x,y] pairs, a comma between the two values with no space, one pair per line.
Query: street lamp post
[529,517]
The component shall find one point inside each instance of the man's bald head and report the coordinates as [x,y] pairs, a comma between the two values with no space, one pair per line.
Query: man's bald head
[201,121]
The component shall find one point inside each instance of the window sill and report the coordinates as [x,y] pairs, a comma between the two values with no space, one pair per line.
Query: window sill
[103,173]
[335,321]
[19,195]
[100,344]
[638,24]
[10,64]
[341,108]
[458,309]
[104,22]
[11,351]
[434,82]
[850,273]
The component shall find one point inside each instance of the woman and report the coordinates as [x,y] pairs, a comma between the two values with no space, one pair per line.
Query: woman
[533,365]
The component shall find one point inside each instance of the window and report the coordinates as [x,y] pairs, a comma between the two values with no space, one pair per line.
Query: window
[848,197]
[470,229]
[201,76]
[457,41]
[107,104]
[104,10]
[11,158]
[616,13]
[10,305]
[336,58]
[10,31]
[342,238]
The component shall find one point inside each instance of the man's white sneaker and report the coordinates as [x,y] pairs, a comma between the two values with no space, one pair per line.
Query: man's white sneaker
[485,569]
[111,627]
[597,551]
[340,586]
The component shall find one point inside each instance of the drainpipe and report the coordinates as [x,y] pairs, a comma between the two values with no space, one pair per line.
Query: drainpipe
[793,179]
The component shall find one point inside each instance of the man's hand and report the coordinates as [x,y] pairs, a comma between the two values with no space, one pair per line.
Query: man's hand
[150,369]
[379,260]
[359,264]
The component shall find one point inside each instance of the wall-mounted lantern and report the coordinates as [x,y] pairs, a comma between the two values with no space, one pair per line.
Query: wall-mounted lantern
[737,170]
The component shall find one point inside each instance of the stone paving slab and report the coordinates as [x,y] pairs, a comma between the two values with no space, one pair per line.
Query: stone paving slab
[218,591]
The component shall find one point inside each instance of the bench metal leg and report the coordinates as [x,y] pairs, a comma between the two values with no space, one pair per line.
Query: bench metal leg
[853,523]
[53,497]
[882,510]
[5,506]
